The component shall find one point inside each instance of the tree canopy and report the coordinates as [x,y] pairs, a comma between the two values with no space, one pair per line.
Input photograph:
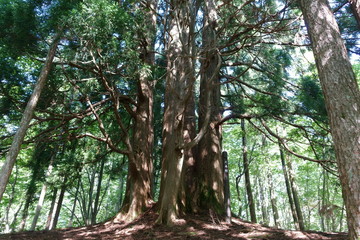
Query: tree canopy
[140,99]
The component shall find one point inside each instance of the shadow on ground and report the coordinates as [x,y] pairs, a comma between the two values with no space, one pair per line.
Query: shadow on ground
[190,227]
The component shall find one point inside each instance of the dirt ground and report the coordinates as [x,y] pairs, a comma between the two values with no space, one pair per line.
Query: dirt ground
[190,227]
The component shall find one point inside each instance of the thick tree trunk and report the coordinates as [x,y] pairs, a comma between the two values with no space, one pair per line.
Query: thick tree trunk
[342,100]
[188,199]
[288,189]
[249,193]
[138,194]
[25,120]
[209,163]
[179,87]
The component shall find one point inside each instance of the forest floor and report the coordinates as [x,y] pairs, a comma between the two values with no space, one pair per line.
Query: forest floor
[202,226]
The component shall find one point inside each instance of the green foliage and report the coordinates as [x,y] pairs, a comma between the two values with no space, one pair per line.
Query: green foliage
[265,164]
[18,31]
[356,68]
[102,43]
[349,28]
[312,98]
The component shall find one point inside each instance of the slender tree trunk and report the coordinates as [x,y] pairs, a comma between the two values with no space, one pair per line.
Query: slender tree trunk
[238,178]
[296,197]
[42,195]
[324,201]
[209,163]
[89,208]
[249,193]
[25,120]
[59,204]
[30,192]
[226,188]
[288,189]
[70,224]
[263,203]
[273,202]
[83,202]
[11,201]
[98,191]
[342,100]
[51,211]
[13,226]
[39,207]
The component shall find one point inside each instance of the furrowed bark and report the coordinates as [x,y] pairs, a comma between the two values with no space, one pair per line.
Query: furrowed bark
[342,100]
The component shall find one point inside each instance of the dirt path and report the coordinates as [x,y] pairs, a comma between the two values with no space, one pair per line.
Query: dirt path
[191,227]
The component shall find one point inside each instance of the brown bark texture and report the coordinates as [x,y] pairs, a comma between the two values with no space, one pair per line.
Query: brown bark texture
[342,99]
[187,193]
[179,84]
[209,163]
[138,193]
